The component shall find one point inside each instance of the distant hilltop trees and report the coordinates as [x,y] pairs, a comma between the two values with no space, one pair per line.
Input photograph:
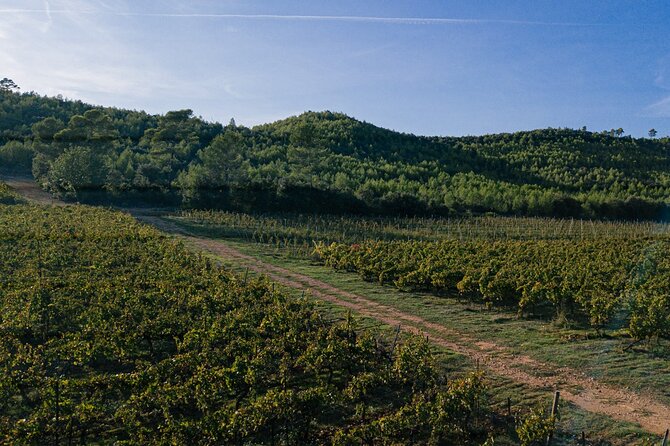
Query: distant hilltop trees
[324,161]
[8,85]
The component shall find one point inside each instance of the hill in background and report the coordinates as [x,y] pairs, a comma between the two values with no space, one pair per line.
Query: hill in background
[328,162]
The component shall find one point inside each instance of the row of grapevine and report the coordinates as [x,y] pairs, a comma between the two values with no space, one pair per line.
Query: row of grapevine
[307,228]
[593,279]
[111,332]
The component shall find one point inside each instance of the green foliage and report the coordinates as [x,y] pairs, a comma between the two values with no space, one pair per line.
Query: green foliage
[46,129]
[580,270]
[16,155]
[352,228]
[110,332]
[7,85]
[331,162]
[650,309]
[18,113]
[221,167]
[8,196]
[77,168]
[560,274]
[534,428]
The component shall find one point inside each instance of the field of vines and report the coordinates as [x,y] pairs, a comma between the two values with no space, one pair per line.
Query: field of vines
[598,273]
[588,280]
[112,333]
[298,233]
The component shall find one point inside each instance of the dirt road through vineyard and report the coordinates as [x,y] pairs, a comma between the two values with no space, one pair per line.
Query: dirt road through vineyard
[579,389]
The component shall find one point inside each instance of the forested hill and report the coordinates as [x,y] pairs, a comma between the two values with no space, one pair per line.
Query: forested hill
[328,162]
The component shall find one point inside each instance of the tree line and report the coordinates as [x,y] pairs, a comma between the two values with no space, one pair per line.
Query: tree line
[324,161]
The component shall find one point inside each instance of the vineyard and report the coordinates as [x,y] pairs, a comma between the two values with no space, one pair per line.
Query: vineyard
[590,280]
[574,294]
[113,333]
[298,233]
[586,271]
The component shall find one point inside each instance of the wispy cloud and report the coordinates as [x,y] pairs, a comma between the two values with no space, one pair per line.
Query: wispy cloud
[61,51]
[363,19]
[662,74]
[660,109]
[47,10]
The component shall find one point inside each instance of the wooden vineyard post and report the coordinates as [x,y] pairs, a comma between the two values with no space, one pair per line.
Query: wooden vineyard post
[509,407]
[665,438]
[554,407]
[554,411]
[583,439]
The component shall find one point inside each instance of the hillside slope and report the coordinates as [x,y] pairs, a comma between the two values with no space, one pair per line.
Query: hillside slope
[324,161]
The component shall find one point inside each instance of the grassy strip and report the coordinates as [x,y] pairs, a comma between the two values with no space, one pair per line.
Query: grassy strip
[539,339]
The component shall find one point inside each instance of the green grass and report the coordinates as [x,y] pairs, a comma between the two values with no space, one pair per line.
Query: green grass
[600,357]
[645,371]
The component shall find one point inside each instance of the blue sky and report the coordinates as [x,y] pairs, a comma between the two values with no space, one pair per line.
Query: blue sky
[425,67]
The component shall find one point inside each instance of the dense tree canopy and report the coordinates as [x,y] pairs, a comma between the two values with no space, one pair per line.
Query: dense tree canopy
[329,161]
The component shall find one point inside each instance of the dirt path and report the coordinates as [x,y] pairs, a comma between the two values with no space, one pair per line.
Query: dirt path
[575,387]
[27,188]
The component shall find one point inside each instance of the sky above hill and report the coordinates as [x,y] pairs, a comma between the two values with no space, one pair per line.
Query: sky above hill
[437,67]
